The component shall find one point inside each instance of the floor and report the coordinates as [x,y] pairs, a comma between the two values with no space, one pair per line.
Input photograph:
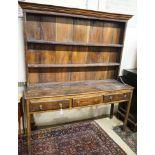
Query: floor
[107,124]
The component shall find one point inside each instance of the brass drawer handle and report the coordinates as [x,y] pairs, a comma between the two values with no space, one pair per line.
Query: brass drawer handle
[40,107]
[61,111]
[125,95]
[110,98]
[60,105]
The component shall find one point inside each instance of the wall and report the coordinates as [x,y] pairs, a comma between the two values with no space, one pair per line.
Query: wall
[129,56]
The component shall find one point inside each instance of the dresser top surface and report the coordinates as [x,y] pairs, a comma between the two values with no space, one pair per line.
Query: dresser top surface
[74,88]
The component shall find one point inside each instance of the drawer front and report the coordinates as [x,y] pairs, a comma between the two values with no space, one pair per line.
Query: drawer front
[85,101]
[116,97]
[49,105]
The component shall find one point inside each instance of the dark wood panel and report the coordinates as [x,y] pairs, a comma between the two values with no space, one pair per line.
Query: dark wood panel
[112,72]
[63,56]
[48,56]
[78,74]
[79,57]
[33,76]
[108,33]
[104,54]
[100,73]
[33,27]
[41,56]
[91,58]
[114,55]
[93,55]
[118,31]
[33,54]
[45,75]
[48,28]
[38,54]
[64,29]
[81,31]
[90,73]
[96,32]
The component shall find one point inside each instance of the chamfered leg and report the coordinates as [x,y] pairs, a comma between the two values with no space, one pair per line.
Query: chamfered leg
[127,113]
[28,126]
[112,111]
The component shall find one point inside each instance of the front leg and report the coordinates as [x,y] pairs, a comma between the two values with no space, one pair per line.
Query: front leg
[28,126]
[127,113]
[112,111]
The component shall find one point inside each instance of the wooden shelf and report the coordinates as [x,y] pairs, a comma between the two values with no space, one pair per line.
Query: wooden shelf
[72,65]
[72,43]
[69,44]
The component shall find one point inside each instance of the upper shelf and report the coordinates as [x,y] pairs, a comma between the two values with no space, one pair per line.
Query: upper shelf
[72,43]
[73,65]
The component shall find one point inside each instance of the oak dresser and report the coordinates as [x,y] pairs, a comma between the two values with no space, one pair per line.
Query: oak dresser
[72,59]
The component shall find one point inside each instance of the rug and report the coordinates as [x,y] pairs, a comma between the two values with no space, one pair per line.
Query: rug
[129,137]
[83,138]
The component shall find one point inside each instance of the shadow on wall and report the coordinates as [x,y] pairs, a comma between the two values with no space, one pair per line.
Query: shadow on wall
[135,64]
[51,118]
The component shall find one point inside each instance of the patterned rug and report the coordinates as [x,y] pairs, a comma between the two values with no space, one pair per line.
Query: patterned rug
[83,138]
[129,137]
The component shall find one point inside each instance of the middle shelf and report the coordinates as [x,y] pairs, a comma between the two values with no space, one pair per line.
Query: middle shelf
[72,43]
[73,65]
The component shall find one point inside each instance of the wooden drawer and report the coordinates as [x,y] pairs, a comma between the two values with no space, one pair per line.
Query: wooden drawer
[116,97]
[85,101]
[49,105]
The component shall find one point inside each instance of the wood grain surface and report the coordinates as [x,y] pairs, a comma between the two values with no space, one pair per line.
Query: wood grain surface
[90,43]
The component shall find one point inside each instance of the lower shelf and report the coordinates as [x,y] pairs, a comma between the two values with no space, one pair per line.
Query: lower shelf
[73,65]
